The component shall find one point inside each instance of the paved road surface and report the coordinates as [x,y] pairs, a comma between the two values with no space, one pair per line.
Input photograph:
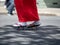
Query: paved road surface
[47,34]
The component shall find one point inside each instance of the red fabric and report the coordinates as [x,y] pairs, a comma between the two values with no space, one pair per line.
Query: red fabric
[26,10]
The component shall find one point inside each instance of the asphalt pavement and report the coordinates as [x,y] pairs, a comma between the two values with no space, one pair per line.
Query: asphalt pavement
[48,33]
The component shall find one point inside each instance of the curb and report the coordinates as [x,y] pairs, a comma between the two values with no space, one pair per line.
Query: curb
[49,11]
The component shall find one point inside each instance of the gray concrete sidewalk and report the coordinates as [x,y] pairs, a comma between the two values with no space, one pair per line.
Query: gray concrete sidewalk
[49,11]
[41,11]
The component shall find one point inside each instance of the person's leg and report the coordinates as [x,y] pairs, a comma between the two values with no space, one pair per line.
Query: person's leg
[31,12]
[6,3]
[19,9]
[26,10]
[11,7]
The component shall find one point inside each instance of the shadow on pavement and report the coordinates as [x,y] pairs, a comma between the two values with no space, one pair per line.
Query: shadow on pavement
[43,35]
